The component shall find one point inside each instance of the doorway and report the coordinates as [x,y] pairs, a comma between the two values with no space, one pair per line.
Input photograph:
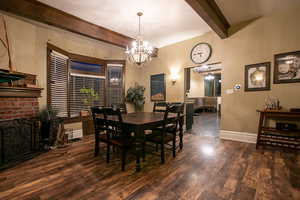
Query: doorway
[203,96]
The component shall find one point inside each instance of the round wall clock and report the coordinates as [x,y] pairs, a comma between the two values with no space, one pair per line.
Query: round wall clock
[201,53]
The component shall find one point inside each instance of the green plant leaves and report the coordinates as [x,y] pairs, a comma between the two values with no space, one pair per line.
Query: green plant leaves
[135,95]
[90,95]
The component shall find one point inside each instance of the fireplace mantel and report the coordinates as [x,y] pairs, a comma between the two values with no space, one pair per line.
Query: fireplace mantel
[20,92]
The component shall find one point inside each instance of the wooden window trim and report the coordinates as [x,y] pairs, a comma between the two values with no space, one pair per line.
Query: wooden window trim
[81,58]
[120,62]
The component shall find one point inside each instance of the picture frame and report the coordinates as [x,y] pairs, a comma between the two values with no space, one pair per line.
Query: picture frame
[257,77]
[158,87]
[287,67]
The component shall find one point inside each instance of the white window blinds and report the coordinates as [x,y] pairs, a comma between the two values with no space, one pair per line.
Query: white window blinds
[115,84]
[58,83]
[86,91]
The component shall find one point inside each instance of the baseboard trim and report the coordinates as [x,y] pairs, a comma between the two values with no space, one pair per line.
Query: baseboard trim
[238,136]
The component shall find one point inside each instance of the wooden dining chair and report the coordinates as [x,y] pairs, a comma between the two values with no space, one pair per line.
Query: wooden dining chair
[160,106]
[168,132]
[121,106]
[114,134]
[100,134]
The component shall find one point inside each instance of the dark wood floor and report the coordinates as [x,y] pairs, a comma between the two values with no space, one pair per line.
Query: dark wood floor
[207,168]
[206,124]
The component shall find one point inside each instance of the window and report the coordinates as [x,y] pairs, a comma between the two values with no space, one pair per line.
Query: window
[213,87]
[87,87]
[76,83]
[115,90]
[58,83]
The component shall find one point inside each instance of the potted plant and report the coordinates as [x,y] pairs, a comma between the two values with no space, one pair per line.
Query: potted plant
[90,96]
[135,95]
[49,126]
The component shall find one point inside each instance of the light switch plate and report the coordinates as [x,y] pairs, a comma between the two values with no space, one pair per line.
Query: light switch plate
[229,91]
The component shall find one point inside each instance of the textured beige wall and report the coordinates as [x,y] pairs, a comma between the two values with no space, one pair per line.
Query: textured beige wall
[255,43]
[197,85]
[28,41]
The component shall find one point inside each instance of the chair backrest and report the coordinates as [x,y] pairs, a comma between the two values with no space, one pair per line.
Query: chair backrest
[98,121]
[121,106]
[112,112]
[179,105]
[177,109]
[115,126]
[160,106]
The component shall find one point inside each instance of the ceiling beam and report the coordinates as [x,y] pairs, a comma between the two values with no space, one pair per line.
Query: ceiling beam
[209,11]
[40,12]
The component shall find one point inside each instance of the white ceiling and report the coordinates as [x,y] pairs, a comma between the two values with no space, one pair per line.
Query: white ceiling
[237,11]
[164,21]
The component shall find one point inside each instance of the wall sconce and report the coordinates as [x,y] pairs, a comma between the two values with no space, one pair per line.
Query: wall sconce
[174,78]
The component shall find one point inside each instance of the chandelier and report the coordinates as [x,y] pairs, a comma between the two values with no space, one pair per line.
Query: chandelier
[140,51]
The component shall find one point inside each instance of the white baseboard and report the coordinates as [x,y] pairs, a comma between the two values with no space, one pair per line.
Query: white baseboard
[238,136]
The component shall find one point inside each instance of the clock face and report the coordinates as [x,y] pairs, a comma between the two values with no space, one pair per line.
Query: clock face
[201,53]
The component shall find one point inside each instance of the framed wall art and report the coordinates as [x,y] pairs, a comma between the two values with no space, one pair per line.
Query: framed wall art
[257,77]
[287,67]
[158,87]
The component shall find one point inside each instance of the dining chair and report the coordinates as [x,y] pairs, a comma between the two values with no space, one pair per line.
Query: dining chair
[100,134]
[168,132]
[121,106]
[112,132]
[160,106]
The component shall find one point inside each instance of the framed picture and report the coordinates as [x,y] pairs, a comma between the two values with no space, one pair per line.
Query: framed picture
[287,68]
[257,77]
[158,87]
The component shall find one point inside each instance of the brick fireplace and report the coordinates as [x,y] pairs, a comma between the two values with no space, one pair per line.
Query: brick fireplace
[17,102]
[18,108]
[19,129]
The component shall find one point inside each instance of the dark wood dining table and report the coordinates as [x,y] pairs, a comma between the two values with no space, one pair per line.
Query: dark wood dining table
[140,121]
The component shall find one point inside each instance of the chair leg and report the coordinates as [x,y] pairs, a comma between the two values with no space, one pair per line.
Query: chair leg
[162,151]
[97,147]
[108,153]
[124,152]
[174,146]
[144,152]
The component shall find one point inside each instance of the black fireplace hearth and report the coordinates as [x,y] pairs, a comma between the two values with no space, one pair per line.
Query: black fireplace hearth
[19,141]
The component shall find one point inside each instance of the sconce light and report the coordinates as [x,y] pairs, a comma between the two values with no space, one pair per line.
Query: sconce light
[174,78]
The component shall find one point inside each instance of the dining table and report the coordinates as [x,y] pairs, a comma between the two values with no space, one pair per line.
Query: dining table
[138,122]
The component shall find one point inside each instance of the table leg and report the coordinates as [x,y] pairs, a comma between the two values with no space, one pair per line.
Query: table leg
[181,133]
[97,147]
[260,125]
[139,146]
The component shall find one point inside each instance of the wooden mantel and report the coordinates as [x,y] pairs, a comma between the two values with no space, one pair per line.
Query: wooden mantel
[20,92]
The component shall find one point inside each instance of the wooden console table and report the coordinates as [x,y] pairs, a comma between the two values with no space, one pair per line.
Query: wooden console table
[274,137]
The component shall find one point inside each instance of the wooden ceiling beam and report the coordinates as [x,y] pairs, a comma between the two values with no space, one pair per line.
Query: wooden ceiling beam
[40,12]
[210,12]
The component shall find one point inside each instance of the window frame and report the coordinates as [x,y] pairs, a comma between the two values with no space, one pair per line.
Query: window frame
[86,59]
[116,62]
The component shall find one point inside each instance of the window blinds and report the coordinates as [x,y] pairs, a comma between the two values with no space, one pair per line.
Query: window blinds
[79,100]
[115,84]
[58,85]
